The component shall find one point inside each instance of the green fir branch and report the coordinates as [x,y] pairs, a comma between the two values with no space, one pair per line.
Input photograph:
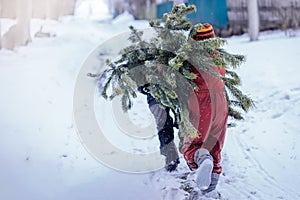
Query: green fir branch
[244,100]
[173,48]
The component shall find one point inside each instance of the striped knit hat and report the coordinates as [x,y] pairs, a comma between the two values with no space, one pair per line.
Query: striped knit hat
[203,32]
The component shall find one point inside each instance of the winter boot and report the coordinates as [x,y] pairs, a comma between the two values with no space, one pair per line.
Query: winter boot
[213,184]
[171,154]
[205,166]
[171,166]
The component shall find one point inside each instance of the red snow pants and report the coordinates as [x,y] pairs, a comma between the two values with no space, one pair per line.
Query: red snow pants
[208,113]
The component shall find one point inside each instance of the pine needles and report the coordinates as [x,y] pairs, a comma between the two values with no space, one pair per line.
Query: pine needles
[164,63]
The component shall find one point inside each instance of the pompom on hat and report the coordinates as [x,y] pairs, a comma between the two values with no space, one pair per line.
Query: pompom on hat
[203,32]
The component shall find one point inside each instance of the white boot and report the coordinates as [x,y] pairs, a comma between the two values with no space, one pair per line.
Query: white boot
[210,191]
[205,166]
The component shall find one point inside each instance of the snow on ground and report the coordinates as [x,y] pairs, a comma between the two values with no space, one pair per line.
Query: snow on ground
[41,154]
[261,154]
[266,145]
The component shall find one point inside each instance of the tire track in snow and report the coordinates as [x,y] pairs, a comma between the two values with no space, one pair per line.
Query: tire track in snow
[234,184]
[271,181]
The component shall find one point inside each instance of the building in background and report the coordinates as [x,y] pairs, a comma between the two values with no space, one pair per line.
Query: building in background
[229,17]
[208,11]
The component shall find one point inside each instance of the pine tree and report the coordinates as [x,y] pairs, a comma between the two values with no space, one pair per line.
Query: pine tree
[163,64]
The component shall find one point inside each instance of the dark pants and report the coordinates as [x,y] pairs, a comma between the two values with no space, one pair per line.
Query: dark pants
[164,124]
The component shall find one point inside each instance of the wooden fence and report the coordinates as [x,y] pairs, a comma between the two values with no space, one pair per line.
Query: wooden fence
[274,14]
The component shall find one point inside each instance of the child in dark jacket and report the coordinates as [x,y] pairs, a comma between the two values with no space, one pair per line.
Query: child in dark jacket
[164,125]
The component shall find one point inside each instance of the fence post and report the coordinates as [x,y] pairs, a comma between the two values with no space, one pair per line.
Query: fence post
[253,19]
[24,14]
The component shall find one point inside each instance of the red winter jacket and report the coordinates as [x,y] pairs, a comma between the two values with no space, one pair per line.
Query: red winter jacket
[207,81]
[208,113]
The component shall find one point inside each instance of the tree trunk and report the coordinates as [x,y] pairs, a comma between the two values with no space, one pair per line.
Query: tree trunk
[148,9]
[19,34]
[24,14]
[253,20]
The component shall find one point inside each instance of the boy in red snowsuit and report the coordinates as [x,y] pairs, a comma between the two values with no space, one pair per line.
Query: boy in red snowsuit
[208,113]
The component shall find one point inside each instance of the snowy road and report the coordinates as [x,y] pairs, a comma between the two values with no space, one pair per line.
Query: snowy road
[42,157]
